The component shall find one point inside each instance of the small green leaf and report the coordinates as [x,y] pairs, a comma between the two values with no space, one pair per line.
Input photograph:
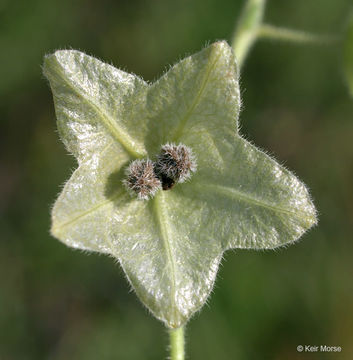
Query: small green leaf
[348,55]
[169,246]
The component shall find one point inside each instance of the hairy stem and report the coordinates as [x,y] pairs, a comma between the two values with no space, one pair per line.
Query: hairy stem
[246,31]
[177,343]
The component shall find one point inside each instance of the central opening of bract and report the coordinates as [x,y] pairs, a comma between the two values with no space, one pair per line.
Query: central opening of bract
[174,164]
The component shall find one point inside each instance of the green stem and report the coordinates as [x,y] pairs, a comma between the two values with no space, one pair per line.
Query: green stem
[277,33]
[177,343]
[250,27]
[246,31]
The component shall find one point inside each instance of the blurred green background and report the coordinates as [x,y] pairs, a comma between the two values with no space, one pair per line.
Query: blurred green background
[57,303]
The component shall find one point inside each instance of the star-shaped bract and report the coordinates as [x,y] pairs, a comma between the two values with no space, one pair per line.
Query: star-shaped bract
[169,246]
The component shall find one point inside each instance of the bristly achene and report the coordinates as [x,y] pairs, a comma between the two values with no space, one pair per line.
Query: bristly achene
[141,179]
[175,162]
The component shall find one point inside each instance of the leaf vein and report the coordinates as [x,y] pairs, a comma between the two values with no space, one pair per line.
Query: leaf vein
[196,101]
[165,232]
[83,214]
[302,216]
[119,134]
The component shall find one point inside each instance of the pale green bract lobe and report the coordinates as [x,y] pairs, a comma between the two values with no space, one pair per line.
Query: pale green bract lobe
[169,246]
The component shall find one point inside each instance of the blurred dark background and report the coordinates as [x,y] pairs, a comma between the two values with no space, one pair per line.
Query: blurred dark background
[57,303]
